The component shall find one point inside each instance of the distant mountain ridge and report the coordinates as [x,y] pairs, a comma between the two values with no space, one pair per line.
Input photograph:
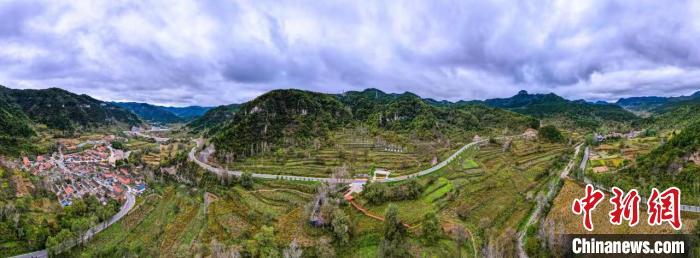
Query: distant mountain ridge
[651,103]
[576,114]
[188,112]
[162,114]
[676,113]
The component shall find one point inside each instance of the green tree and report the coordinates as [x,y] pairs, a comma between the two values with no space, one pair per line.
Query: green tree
[118,145]
[551,134]
[265,240]
[375,193]
[341,227]
[394,243]
[247,180]
[430,229]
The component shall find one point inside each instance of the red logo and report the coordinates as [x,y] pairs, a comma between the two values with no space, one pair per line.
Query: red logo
[587,204]
[662,207]
[626,208]
[665,207]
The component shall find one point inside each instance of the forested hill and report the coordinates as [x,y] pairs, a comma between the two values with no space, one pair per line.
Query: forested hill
[675,114]
[15,128]
[673,156]
[408,112]
[214,118]
[283,118]
[577,115]
[66,111]
[280,117]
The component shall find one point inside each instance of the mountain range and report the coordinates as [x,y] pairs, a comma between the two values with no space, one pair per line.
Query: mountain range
[163,114]
[652,103]
[296,116]
[284,118]
[574,115]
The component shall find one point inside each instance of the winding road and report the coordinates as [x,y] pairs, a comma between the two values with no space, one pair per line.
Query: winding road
[128,205]
[220,171]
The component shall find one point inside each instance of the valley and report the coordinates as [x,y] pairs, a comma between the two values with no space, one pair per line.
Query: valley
[277,175]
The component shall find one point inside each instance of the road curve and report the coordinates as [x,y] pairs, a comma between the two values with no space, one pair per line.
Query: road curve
[221,171]
[128,205]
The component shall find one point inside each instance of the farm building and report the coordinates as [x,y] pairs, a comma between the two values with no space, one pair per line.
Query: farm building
[381,172]
[530,134]
[602,169]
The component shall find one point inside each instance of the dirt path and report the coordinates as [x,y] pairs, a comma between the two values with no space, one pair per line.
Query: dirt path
[372,215]
[538,209]
[449,224]
[281,189]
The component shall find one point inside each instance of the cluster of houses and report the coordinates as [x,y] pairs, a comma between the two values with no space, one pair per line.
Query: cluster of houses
[92,171]
[616,135]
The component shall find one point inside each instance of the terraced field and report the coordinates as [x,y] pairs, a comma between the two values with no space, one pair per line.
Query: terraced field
[319,163]
[177,222]
[491,201]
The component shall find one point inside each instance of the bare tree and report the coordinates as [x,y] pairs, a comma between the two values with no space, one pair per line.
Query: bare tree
[293,251]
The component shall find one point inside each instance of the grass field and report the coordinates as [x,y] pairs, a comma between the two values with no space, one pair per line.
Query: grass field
[469,164]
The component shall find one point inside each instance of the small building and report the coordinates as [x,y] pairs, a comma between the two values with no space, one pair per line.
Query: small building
[139,188]
[124,180]
[381,172]
[476,138]
[602,169]
[530,134]
[633,134]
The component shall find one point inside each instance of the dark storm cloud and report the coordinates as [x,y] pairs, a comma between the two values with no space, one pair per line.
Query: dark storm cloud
[214,52]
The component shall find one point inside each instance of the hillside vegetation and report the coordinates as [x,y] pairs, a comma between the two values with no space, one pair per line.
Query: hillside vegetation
[675,115]
[286,118]
[214,118]
[280,117]
[65,111]
[29,117]
[667,165]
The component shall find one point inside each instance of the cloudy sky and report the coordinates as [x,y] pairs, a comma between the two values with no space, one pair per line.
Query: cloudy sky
[195,52]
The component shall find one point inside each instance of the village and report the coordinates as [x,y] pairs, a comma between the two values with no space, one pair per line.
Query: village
[614,151]
[80,169]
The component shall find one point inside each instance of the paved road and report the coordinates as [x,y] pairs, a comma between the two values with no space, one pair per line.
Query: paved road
[220,171]
[538,209]
[128,205]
